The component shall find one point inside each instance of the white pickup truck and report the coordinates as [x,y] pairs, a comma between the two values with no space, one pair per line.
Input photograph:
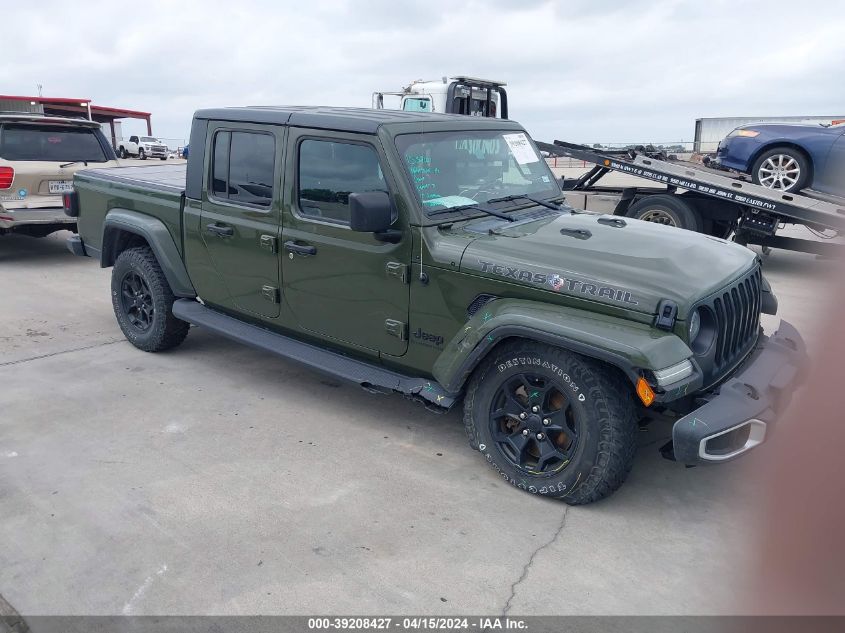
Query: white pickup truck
[143,147]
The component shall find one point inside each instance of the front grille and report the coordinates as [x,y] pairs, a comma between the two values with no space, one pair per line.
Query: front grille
[737,312]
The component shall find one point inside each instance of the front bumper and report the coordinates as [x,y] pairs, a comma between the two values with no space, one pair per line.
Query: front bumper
[743,410]
[735,153]
[11,218]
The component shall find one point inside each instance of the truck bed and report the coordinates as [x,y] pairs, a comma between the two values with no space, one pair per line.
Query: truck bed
[155,191]
[169,178]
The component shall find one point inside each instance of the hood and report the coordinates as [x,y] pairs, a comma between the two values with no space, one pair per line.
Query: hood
[622,262]
[790,128]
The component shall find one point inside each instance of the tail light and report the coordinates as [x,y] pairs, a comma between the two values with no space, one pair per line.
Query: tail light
[70,203]
[7,175]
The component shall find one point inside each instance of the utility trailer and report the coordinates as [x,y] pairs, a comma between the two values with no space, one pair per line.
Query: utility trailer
[701,199]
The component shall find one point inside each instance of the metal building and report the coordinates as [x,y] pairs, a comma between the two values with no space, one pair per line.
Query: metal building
[63,106]
[709,131]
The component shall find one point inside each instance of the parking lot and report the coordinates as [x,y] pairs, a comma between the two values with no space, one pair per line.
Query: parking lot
[216,479]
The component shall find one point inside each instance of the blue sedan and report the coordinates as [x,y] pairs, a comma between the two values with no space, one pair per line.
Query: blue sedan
[787,157]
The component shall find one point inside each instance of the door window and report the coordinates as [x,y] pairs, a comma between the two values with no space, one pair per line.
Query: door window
[242,167]
[329,171]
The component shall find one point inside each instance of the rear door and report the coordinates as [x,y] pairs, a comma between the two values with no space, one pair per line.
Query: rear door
[341,284]
[239,222]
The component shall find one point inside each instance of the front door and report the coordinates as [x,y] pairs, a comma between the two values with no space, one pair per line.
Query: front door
[342,284]
[239,223]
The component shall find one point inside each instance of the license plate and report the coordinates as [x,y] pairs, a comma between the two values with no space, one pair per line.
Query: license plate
[60,186]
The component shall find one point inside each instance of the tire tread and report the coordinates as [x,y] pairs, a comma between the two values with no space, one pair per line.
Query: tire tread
[169,332]
[610,392]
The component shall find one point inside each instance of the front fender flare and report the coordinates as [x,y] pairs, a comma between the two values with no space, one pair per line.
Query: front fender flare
[628,345]
[161,242]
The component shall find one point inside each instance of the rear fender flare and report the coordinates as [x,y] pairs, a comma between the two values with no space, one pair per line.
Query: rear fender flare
[627,345]
[155,233]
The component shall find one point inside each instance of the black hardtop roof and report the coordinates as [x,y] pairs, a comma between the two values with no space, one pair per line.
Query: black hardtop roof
[364,120]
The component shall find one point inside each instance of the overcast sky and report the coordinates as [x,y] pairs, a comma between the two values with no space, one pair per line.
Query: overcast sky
[579,70]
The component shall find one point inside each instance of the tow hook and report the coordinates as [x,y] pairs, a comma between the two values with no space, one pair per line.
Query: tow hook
[667,451]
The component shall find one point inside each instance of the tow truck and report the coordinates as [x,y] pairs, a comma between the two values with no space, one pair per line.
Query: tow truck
[686,194]
[451,95]
[691,196]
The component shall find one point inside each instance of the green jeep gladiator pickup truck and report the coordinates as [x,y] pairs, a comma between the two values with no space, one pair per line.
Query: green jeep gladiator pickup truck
[433,256]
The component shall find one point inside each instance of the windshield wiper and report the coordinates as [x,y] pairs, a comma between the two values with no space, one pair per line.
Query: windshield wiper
[473,207]
[542,203]
[73,162]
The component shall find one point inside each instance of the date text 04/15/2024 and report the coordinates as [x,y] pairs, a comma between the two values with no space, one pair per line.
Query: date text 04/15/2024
[417,623]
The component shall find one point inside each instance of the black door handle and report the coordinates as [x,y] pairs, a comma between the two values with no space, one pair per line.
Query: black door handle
[302,249]
[221,230]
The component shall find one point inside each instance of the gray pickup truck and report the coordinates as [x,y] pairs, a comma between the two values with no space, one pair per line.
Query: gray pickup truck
[433,256]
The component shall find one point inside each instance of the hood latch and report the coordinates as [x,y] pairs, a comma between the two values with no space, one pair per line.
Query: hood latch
[667,312]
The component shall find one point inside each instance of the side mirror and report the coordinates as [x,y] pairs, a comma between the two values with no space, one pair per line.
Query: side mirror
[370,212]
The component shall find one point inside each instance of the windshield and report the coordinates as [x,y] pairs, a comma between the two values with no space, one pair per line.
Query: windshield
[453,169]
[58,143]
[149,139]
[417,104]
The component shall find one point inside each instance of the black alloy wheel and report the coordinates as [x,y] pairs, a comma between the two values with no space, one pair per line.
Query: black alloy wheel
[534,425]
[137,301]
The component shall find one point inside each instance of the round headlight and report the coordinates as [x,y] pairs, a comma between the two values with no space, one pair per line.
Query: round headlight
[694,325]
[702,330]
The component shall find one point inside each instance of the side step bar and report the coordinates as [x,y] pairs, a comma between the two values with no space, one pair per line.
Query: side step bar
[370,377]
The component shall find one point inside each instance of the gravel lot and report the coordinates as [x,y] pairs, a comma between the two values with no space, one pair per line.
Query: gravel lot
[216,479]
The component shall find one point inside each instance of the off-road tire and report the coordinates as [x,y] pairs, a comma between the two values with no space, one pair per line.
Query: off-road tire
[121,153]
[667,209]
[600,397]
[165,331]
[142,154]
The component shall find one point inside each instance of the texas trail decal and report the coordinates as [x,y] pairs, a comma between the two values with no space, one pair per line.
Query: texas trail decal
[559,283]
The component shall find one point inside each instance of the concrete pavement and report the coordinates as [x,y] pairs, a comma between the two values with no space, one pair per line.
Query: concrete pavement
[215,479]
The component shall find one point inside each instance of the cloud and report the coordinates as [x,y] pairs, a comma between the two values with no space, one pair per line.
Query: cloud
[579,70]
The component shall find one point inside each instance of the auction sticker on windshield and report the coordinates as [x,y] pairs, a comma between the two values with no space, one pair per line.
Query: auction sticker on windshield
[60,186]
[448,201]
[521,148]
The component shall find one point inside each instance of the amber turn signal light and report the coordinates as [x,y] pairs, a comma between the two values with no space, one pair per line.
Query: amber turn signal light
[645,392]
